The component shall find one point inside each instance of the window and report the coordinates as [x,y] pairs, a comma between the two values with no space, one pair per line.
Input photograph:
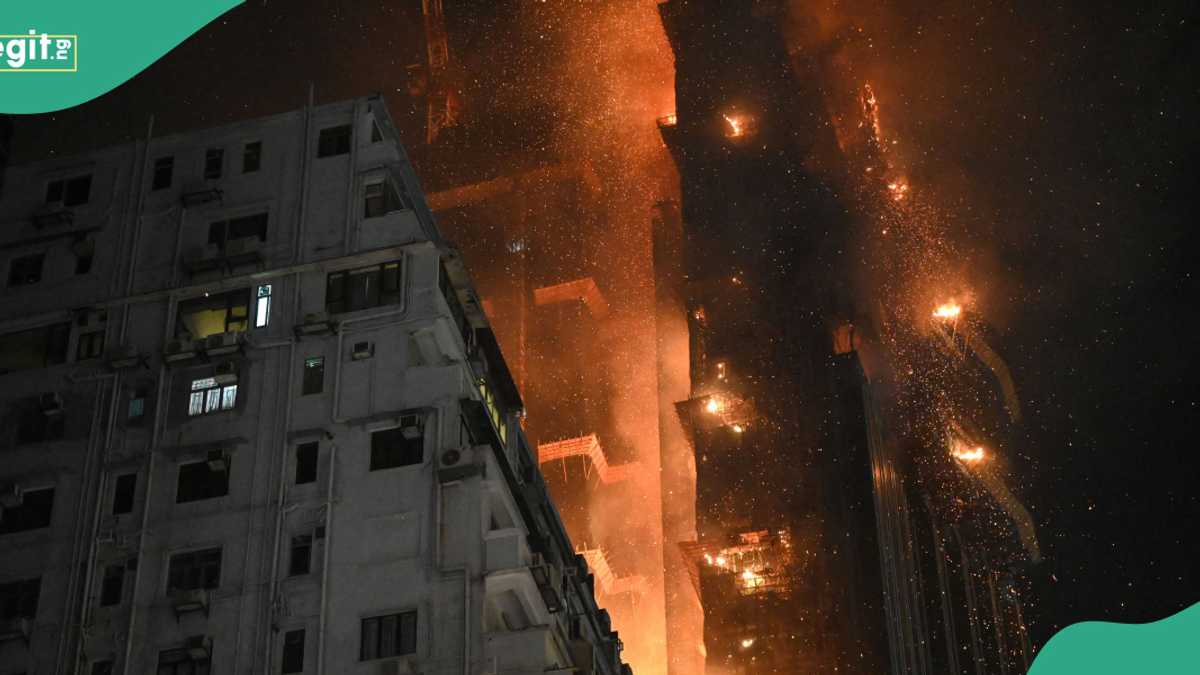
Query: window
[213,159]
[110,587]
[334,141]
[401,446]
[181,662]
[164,171]
[19,599]
[194,570]
[37,424]
[352,290]
[262,310]
[69,191]
[199,480]
[391,635]
[137,405]
[300,561]
[222,232]
[293,651]
[306,463]
[209,396]
[34,348]
[90,345]
[123,494]
[32,514]
[104,667]
[380,197]
[252,157]
[214,313]
[26,270]
[314,376]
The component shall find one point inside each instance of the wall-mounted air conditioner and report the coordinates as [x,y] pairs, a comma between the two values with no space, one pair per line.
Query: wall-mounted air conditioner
[316,323]
[197,647]
[179,349]
[362,350]
[457,463]
[125,356]
[220,344]
[218,460]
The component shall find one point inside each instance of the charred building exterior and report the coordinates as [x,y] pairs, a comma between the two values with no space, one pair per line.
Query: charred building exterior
[255,420]
[827,540]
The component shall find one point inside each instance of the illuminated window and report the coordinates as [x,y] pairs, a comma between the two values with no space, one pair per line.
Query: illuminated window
[209,396]
[214,313]
[262,310]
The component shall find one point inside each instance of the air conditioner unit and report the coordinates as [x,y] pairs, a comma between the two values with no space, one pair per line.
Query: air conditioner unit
[316,323]
[50,403]
[15,629]
[362,350]
[242,245]
[192,600]
[227,373]
[197,648]
[218,460]
[220,344]
[411,426]
[200,196]
[180,349]
[124,357]
[456,464]
[10,495]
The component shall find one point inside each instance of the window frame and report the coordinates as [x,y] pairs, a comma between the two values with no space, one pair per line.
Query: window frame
[391,287]
[163,166]
[24,594]
[286,665]
[27,277]
[335,140]
[112,583]
[124,493]
[262,305]
[197,565]
[384,458]
[247,153]
[212,398]
[212,487]
[300,566]
[214,163]
[310,386]
[25,519]
[59,191]
[376,651]
[311,475]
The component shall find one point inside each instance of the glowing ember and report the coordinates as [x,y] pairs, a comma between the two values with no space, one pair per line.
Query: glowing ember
[747,643]
[947,311]
[737,126]
[713,406]
[898,189]
[969,456]
[737,428]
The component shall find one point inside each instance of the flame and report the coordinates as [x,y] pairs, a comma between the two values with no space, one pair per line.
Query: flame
[747,642]
[750,579]
[713,406]
[737,428]
[947,311]
[898,189]
[970,456]
[737,126]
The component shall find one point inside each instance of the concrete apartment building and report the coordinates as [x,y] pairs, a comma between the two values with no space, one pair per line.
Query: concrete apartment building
[255,421]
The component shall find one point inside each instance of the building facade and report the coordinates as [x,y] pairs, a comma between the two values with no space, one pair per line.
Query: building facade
[257,422]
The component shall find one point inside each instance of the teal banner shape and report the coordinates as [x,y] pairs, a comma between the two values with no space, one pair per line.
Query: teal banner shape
[55,54]
[1164,647]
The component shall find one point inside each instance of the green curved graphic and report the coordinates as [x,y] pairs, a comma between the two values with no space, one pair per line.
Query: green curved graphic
[81,49]
[1164,647]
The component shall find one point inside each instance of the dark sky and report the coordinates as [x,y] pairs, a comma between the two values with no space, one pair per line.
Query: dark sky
[1063,137]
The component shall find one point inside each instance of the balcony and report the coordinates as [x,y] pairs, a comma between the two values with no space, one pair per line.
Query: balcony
[530,650]
[506,549]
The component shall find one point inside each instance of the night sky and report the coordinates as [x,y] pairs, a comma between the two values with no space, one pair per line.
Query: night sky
[1060,138]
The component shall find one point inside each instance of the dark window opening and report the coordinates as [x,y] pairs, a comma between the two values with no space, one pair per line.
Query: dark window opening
[194,570]
[352,290]
[26,270]
[293,651]
[19,599]
[314,376]
[213,159]
[37,425]
[222,232]
[401,446]
[198,480]
[104,667]
[33,513]
[306,462]
[300,561]
[164,172]
[110,587]
[181,662]
[391,635]
[334,141]
[381,197]
[252,157]
[90,345]
[83,263]
[69,191]
[34,348]
[123,494]
[212,314]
